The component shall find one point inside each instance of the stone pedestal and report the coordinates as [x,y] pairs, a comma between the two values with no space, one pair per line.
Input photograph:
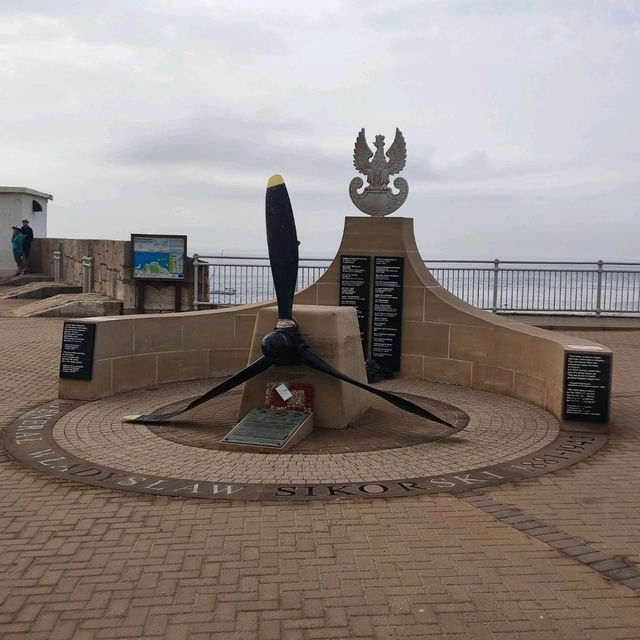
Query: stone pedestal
[332,333]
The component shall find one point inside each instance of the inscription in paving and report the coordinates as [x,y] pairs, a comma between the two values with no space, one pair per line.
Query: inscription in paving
[76,356]
[30,440]
[355,291]
[387,311]
[587,388]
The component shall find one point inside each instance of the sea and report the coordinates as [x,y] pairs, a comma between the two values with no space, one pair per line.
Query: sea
[549,287]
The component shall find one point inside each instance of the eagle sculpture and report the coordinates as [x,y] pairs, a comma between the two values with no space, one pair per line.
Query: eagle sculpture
[377,199]
[379,169]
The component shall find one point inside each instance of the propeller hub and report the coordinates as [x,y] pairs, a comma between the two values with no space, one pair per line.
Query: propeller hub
[282,346]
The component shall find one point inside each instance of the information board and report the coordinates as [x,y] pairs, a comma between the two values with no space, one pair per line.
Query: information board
[76,357]
[386,336]
[355,291]
[587,387]
[158,257]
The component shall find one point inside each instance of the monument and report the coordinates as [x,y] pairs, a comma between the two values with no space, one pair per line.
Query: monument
[403,318]
[335,329]
[530,401]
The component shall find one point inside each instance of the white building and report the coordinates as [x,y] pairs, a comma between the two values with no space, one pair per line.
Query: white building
[17,204]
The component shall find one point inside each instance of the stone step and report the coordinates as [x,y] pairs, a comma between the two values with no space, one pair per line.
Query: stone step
[26,278]
[40,290]
[73,305]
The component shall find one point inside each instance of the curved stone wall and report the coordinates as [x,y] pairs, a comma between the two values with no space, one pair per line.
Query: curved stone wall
[443,338]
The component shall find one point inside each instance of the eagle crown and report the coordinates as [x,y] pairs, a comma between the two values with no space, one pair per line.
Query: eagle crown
[377,198]
[378,168]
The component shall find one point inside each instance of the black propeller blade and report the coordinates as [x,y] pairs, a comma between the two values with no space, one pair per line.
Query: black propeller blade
[282,242]
[284,345]
[315,362]
[247,373]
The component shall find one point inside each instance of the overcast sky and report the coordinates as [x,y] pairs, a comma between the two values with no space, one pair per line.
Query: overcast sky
[522,119]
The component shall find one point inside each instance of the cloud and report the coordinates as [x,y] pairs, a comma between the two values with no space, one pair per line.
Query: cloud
[237,144]
[161,114]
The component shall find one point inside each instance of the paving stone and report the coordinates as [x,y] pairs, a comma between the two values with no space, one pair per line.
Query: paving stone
[623,574]
[609,565]
[595,556]
[578,551]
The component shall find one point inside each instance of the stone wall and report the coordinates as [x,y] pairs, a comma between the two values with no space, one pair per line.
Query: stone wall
[112,272]
[138,351]
[447,340]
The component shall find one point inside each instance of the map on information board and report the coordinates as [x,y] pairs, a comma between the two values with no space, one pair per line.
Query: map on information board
[157,257]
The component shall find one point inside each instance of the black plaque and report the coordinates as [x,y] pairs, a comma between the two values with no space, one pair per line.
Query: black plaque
[387,311]
[76,358]
[587,387]
[355,291]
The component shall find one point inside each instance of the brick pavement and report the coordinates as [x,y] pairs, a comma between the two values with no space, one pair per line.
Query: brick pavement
[598,500]
[95,432]
[82,562]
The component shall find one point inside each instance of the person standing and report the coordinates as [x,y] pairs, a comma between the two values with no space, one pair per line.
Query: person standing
[27,233]
[16,245]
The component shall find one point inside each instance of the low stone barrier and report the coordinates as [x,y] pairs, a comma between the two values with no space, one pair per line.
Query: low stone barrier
[443,338]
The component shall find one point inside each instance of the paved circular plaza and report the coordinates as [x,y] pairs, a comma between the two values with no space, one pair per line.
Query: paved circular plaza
[386,452]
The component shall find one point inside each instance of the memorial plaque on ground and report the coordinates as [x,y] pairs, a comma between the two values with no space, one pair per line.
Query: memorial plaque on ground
[587,387]
[355,276]
[76,357]
[387,311]
[273,428]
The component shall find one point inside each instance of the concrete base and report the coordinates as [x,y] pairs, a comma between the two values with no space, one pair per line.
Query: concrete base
[332,333]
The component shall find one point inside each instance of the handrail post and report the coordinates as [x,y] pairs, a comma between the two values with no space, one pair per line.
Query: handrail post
[87,274]
[196,258]
[599,288]
[496,269]
[57,266]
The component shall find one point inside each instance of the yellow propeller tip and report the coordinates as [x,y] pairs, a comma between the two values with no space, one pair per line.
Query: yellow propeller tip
[275,180]
[130,418]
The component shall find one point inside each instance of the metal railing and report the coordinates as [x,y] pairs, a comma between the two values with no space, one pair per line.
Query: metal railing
[238,280]
[494,285]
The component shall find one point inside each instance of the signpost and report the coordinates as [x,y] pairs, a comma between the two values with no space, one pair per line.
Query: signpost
[158,258]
